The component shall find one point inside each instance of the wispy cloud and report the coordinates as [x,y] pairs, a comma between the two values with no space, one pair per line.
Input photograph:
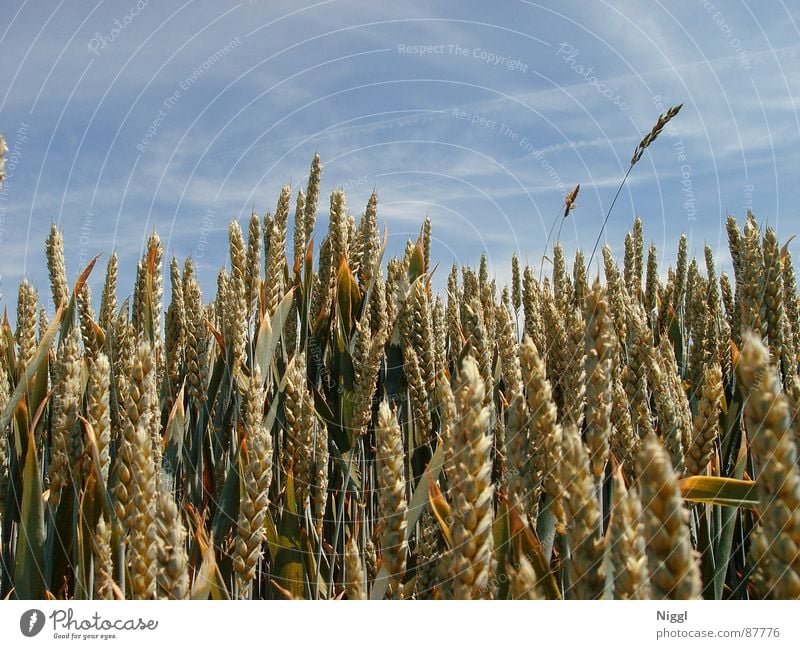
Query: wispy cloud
[156,129]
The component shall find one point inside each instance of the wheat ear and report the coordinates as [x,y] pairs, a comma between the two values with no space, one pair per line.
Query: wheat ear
[103,565]
[523,581]
[391,485]
[777,473]
[545,431]
[674,573]
[583,532]
[470,560]
[706,422]
[256,476]
[628,550]
[56,267]
[356,583]
[27,307]
[599,385]
[173,563]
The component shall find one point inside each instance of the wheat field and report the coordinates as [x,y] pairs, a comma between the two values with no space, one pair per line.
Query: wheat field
[325,426]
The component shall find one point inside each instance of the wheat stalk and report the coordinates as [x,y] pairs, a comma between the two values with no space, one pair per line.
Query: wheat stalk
[645,142]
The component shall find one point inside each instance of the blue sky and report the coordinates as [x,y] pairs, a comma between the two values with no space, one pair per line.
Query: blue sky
[121,118]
